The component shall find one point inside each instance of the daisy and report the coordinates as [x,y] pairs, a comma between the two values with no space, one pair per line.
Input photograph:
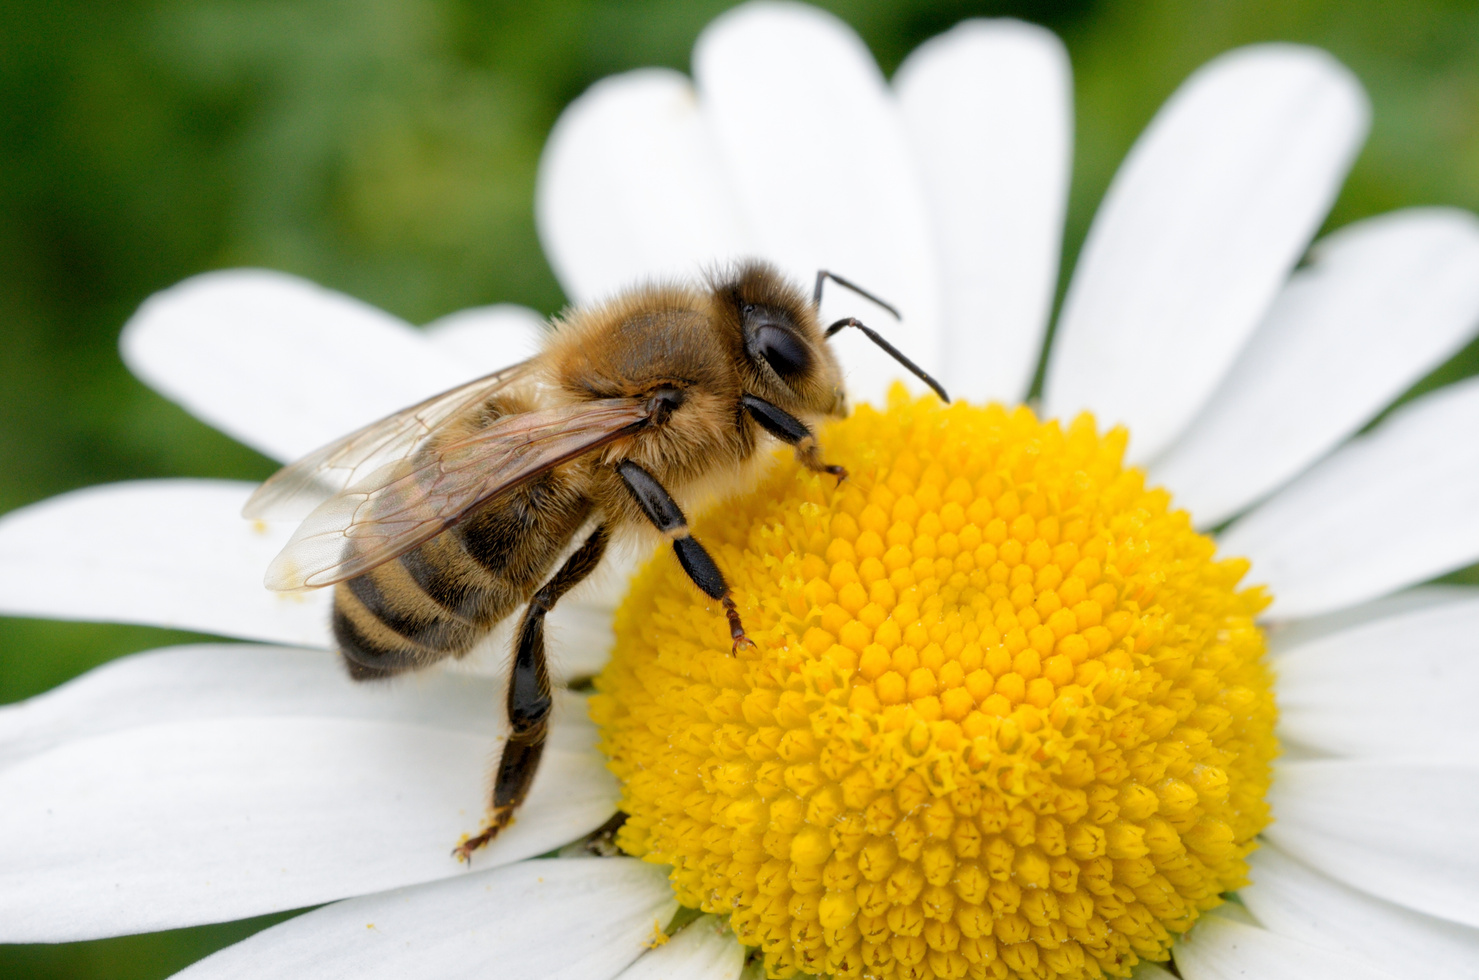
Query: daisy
[205,783]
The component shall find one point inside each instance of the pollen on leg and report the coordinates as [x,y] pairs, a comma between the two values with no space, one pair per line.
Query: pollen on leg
[1006,714]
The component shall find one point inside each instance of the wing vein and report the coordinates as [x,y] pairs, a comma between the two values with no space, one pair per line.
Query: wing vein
[406,502]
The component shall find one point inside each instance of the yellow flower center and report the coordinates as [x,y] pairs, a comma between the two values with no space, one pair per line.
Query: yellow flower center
[1007,716]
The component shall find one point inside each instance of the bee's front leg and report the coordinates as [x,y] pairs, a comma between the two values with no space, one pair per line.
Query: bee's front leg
[792,431]
[665,514]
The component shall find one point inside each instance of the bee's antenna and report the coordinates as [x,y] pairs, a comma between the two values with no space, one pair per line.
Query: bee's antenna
[823,275]
[816,301]
[893,351]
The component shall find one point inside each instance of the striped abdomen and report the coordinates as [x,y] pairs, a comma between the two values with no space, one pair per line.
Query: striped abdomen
[441,598]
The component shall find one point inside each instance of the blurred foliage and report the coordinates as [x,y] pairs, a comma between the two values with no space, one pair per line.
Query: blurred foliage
[388,148]
[145,957]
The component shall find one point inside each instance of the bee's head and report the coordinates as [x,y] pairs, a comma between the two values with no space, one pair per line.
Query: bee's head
[786,359]
[785,347]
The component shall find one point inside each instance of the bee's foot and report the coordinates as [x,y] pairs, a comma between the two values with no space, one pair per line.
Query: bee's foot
[602,840]
[736,628]
[809,454]
[464,851]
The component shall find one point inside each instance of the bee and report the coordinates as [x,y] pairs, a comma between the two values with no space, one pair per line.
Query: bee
[437,522]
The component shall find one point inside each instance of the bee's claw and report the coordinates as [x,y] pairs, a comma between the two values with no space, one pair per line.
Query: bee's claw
[838,471]
[736,628]
[502,817]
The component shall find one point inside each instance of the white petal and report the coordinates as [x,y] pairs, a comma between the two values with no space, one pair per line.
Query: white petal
[580,637]
[1288,634]
[1217,948]
[1385,301]
[1406,831]
[1151,971]
[579,919]
[279,363]
[237,680]
[1235,912]
[1210,211]
[815,145]
[580,629]
[1387,510]
[631,188]
[1400,686]
[185,559]
[173,553]
[705,950]
[989,110]
[205,820]
[486,338]
[1295,901]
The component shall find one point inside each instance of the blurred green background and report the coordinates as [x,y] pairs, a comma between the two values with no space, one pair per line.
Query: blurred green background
[387,148]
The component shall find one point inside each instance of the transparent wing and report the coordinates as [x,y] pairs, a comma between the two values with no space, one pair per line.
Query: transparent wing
[295,490]
[408,503]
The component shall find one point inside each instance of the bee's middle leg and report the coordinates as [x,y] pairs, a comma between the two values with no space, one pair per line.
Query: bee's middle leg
[529,699]
[793,432]
[665,514]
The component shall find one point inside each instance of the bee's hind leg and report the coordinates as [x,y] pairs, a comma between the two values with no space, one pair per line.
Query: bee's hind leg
[529,700]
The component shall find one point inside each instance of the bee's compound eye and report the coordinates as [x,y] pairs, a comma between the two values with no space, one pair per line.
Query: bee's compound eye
[780,348]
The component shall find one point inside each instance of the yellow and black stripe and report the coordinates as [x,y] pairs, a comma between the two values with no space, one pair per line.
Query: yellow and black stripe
[438,600]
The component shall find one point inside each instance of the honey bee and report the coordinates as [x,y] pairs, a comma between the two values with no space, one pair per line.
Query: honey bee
[437,522]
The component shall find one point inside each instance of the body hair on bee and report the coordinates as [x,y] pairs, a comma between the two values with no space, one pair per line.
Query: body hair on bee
[439,522]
